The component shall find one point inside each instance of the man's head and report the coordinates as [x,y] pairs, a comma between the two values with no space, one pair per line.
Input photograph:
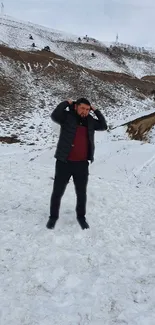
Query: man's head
[82,107]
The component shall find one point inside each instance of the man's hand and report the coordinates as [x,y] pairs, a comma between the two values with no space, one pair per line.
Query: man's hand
[70,101]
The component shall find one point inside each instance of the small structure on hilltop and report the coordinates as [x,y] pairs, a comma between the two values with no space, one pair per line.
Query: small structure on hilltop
[2,8]
[116,41]
[86,38]
[89,39]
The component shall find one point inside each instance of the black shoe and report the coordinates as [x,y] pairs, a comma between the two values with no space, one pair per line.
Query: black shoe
[83,223]
[51,223]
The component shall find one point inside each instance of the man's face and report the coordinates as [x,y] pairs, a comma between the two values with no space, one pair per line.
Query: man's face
[82,109]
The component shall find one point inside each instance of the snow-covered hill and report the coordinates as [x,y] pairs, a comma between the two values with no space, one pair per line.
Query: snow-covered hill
[107,57]
[32,81]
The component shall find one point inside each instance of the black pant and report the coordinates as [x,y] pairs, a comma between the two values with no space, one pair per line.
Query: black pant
[79,171]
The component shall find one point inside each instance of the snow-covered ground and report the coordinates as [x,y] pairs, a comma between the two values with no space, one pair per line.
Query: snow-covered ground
[104,275]
[140,68]
[100,61]
[151,135]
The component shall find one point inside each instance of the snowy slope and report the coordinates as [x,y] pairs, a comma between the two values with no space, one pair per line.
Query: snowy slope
[29,103]
[140,68]
[100,61]
[104,275]
[15,34]
[9,35]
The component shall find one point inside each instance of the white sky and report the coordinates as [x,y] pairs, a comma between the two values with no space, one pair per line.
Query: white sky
[134,20]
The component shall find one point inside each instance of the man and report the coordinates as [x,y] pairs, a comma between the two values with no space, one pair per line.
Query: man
[74,149]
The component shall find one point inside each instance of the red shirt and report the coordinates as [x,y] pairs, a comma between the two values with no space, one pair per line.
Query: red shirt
[79,149]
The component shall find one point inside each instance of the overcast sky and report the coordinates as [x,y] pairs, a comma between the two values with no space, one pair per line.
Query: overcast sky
[134,20]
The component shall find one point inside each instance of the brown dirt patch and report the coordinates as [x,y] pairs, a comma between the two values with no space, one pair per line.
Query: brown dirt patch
[149,78]
[9,139]
[138,128]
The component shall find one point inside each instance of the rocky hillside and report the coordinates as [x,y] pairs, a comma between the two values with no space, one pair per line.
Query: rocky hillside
[116,78]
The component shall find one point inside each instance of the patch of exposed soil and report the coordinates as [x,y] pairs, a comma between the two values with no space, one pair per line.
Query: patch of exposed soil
[138,128]
[9,139]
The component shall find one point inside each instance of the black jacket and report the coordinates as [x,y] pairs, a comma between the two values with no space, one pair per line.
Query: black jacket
[69,120]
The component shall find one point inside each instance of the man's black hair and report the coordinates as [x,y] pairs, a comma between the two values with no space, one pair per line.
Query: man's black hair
[83,101]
